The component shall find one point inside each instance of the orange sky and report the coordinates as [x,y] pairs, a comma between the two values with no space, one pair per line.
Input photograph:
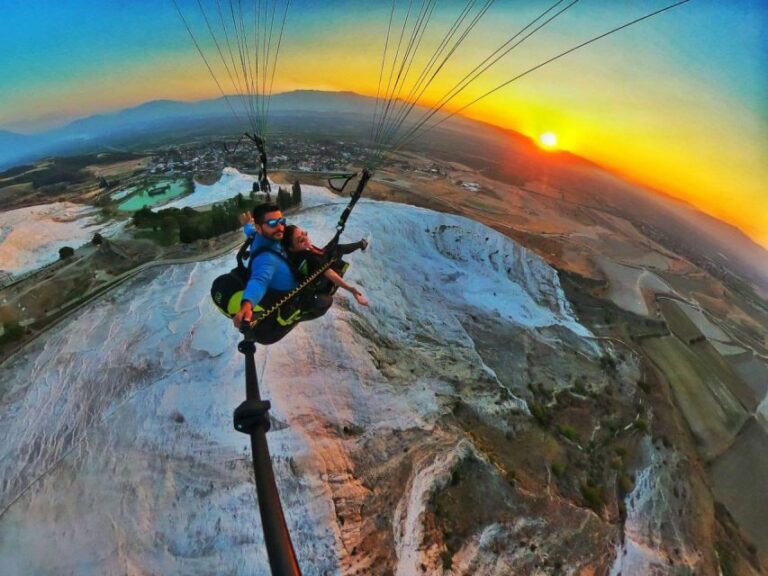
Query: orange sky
[679,102]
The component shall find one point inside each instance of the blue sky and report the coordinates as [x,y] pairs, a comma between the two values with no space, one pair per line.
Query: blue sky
[679,102]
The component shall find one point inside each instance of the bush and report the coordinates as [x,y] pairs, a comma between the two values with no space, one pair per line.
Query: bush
[447,559]
[641,424]
[103,201]
[97,239]
[66,252]
[644,385]
[607,363]
[579,386]
[569,432]
[540,412]
[558,469]
[11,332]
[626,484]
[593,496]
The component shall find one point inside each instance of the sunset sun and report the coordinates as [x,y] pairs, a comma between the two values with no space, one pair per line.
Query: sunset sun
[548,140]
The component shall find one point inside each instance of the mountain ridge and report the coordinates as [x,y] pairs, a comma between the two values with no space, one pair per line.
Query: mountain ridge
[101,131]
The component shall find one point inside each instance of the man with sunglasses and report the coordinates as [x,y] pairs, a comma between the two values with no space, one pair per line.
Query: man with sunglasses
[270,269]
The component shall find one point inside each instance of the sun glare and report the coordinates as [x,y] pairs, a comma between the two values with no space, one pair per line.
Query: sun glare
[548,140]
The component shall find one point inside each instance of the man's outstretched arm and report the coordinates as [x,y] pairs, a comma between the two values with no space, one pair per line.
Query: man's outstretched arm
[263,269]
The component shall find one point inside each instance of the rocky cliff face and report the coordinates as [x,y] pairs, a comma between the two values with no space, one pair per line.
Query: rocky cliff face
[466,423]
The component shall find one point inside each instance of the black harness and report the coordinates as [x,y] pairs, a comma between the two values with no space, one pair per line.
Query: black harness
[307,283]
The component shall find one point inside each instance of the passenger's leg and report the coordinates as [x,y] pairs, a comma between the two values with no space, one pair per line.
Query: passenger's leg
[321,303]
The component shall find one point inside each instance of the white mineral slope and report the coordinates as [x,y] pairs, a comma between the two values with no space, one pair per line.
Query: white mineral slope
[661,515]
[118,453]
[231,183]
[234,182]
[31,237]
[431,475]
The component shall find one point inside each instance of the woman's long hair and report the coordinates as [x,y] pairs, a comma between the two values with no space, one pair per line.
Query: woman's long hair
[288,234]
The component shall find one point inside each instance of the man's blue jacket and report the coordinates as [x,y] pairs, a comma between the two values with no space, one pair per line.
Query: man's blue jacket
[268,271]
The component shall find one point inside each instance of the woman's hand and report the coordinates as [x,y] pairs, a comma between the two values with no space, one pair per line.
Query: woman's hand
[360,298]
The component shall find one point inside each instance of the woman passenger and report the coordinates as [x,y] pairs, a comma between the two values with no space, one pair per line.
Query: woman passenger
[308,258]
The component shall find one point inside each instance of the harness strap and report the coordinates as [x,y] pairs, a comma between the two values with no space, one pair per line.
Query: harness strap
[331,247]
[365,176]
[244,253]
[237,145]
[293,293]
[345,177]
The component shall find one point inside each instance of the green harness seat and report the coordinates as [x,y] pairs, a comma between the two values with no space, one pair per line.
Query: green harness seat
[227,295]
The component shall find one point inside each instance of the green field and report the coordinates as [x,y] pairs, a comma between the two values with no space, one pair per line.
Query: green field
[65,169]
[713,413]
[682,326]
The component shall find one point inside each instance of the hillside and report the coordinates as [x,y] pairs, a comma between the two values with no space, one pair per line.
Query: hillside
[412,434]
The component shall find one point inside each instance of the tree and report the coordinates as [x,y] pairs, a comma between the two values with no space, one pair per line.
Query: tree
[143,218]
[283,199]
[103,201]
[188,231]
[296,193]
[97,239]
[66,252]
[169,228]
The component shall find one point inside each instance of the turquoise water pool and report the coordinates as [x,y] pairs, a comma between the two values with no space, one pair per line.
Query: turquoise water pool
[170,189]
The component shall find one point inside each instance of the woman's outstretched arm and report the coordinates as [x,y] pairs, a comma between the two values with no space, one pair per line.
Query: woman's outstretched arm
[339,281]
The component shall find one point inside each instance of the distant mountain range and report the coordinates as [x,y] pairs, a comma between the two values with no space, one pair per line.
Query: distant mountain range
[499,153]
[10,143]
[160,116]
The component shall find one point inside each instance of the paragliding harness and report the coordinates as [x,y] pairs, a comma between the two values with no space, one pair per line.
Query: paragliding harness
[227,290]
[282,308]
[264,185]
